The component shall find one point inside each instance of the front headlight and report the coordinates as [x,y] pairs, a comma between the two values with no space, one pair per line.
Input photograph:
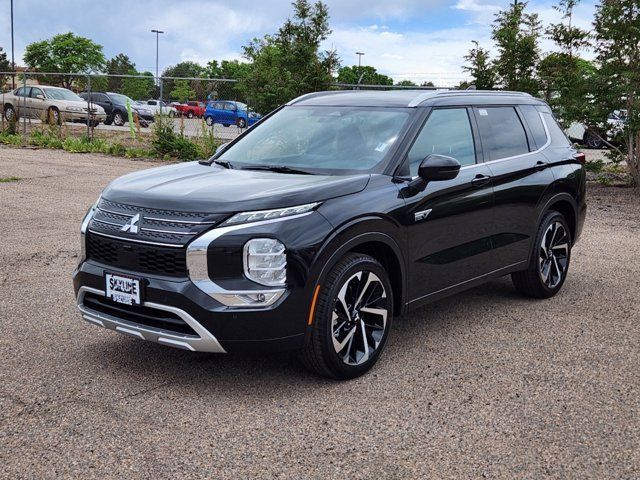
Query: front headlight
[265,261]
[83,230]
[74,109]
[246,217]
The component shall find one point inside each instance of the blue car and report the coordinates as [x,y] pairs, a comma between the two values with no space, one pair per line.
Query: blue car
[228,113]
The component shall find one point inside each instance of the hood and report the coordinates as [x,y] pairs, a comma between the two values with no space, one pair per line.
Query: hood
[191,187]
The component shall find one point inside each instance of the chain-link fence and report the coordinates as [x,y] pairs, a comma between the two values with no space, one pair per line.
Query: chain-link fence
[124,108]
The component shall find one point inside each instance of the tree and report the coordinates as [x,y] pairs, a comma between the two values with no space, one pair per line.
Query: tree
[427,84]
[290,63]
[618,82]
[406,83]
[565,78]
[182,91]
[64,53]
[5,66]
[229,69]
[184,70]
[364,75]
[138,88]
[480,67]
[118,65]
[516,34]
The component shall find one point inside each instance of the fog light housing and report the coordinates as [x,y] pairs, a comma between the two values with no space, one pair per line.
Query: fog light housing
[265,261]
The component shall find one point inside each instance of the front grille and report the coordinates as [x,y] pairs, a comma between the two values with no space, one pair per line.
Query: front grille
[147,316]
[137,257]
[152,225]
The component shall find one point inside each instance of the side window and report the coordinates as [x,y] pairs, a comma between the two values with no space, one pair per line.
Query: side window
[152,102]
[229,106]
[502,132]
[23,91]
[447,132]
[532,117]
[36,91]
[218,106]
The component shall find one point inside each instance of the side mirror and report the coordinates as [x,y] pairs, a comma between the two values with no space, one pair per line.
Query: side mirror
[437,167]
[222,147]
[40,96]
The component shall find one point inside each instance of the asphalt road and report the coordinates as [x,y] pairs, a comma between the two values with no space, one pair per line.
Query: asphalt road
[482,385]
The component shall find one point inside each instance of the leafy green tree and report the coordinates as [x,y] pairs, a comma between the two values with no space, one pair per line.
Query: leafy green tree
[427,84]
[290,62]
[183,70]
[363,75]
[406,83]
[228,69]
[480,67]
[5,66]
[616,32]
[118,65]
[182,91]
[138,88]
[516,34]
[566,79]
[65,53]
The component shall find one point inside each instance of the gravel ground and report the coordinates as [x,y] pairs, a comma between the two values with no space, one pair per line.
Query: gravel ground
[482,385]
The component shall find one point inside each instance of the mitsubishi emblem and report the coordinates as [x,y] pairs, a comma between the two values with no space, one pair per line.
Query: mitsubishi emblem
[132,225]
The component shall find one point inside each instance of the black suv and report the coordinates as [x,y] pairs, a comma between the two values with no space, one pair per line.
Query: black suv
[115,106]
[331,216]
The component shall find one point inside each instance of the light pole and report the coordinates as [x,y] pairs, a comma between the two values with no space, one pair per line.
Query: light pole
[360,54]
[157,32]
[13,60]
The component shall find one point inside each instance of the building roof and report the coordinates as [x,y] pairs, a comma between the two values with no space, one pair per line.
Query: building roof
[414,98]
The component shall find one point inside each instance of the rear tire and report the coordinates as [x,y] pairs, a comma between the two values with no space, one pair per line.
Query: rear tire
[592,141]
[190,115]
[549,262]
[242,123]
[209,121]
[352,319]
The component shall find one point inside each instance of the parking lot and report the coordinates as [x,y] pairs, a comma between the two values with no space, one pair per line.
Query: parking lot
[486,384]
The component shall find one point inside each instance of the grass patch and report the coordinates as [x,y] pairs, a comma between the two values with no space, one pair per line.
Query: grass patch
[9,179]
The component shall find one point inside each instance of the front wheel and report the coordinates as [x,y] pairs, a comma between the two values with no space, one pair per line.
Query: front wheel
[190,115]
[351,322]
[209,121]
[118,119]
[53,116]
[242,123]
[549,260]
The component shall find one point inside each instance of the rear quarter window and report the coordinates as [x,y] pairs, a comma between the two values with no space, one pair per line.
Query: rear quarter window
[534,121]
[502,132]
[558,137]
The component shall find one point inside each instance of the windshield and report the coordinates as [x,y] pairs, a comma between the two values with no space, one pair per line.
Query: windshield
[62,94]
[121,99]
[334,139]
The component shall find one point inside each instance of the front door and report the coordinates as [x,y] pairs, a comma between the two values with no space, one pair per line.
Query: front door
[449,223]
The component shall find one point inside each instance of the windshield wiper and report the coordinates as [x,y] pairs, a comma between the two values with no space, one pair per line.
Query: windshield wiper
[222,163]
[278,169]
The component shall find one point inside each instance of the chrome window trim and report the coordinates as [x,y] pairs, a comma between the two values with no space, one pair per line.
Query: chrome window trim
[203,342]
[199,272]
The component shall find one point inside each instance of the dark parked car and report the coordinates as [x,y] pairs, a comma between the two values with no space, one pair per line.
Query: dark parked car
[338,212]
[115,106]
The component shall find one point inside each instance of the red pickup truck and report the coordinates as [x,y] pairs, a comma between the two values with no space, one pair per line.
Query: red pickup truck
[191,109]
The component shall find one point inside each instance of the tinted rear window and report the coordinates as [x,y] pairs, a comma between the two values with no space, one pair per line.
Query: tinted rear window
[502,132]
[558,138]
[532,117]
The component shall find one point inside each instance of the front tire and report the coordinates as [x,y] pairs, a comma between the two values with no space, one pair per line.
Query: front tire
[190,115]
[549,262]
[118,119]
[242,123]
[351,322]
[209,121]
[53,116]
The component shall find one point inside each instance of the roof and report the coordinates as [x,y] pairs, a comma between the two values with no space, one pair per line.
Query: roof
[414,98]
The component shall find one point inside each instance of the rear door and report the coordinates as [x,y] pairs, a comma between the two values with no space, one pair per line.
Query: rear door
[449,223]
[513,138]
[21,107]
[103,100]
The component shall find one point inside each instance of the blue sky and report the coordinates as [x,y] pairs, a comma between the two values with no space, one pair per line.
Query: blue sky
[407,39]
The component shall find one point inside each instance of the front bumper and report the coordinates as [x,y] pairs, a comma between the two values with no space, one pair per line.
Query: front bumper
[82,116]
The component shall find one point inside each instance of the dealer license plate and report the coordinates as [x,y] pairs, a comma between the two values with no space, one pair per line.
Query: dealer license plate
[123,289]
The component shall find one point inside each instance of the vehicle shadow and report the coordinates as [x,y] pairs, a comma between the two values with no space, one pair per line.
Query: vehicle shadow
[202,371]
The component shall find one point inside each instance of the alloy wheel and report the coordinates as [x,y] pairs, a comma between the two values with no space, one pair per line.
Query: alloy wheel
[554,255]
[359,317]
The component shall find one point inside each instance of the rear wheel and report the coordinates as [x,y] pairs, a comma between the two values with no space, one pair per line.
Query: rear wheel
[591,140]
[190,115]
[352,318]
[209,121]
[549,261]
[242,123]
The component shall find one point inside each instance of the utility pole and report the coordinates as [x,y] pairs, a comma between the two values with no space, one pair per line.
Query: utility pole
[13,60]
[157,32]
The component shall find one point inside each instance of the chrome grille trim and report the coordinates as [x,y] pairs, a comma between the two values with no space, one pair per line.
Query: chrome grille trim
[127,239]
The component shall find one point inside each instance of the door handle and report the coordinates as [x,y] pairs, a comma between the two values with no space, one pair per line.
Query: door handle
[480,180]
[540,165]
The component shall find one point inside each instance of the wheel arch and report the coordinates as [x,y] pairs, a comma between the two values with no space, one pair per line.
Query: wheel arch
[367,236]
[565,204]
